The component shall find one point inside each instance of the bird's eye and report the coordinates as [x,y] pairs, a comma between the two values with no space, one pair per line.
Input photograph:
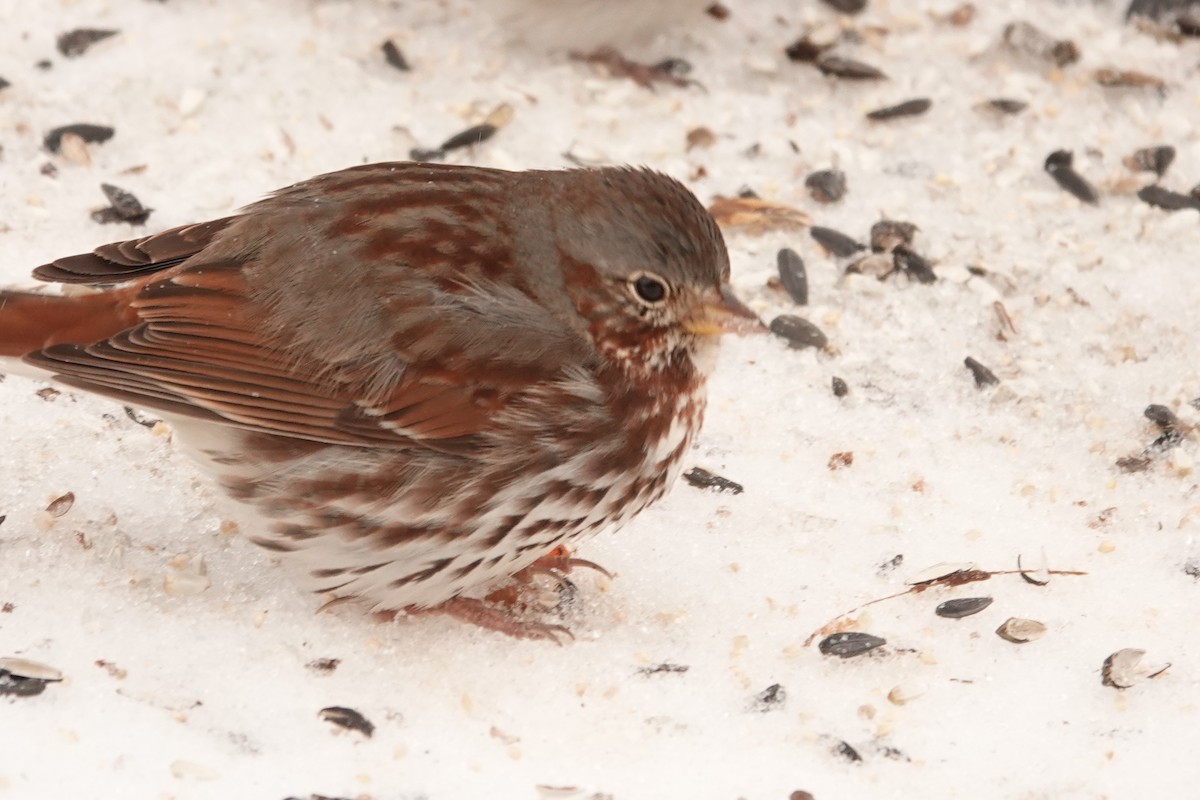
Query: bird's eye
[650,289]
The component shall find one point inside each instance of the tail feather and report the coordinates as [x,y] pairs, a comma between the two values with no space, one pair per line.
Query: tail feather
[30,321]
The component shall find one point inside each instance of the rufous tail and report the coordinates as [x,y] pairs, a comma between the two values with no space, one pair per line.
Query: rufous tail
[31,321]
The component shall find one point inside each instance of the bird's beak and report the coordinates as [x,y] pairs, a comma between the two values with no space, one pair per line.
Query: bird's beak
[721,313]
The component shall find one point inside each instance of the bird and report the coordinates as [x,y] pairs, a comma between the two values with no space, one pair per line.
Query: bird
[423,380]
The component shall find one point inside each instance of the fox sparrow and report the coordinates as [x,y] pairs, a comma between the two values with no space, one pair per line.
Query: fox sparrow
[421,378]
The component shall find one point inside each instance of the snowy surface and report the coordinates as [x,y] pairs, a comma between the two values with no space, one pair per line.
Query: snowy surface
[215,102]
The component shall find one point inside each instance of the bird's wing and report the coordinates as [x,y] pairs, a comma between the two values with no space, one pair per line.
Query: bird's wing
[193,341]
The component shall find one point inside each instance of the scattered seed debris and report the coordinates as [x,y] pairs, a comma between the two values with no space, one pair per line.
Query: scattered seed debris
[700,137]
[962,607]
[1037,577]
[1158,10]
[76,43]
[1128,79]
[669,71]
[835,242]
[826,185]
[888,234]
[476,134]
[1124,668]
[1166,199]
[717,12]
[846,6]
[703,479]
[664,667]
[61,504]
[1005,105]
[772,698]
[21,677]
[125,207]
[1020,631]
[915,265]
[140,418]
[909,108]
[91,134]
[848,68]
[890,565]
[793,275]
[323,666]
[1027,39]
[393,56]
[1059,165]
[849,644]
[804,50]
[1134,463]
[840,389]
[840,461]
[756,216]
[1151,159]
[847,752]
[983,376]
[799,332]
[348,718]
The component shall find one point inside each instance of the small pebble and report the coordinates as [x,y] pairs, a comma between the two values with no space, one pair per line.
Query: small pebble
[983,376]
[836,242]
[909,108]
[793,275]
[848,644]
[826,185]
[962,607]
[799,332]
[840,389]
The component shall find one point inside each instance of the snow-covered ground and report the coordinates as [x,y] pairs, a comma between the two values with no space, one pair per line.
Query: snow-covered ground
[217,693]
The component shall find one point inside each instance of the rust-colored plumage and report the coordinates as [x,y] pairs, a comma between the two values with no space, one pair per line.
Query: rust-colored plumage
[422,378]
